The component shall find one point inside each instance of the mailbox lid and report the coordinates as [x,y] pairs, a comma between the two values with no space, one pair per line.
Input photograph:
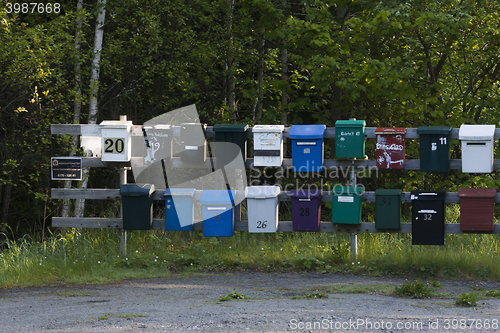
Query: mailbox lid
[427,195]
[390,130]
[135,190]
[387,192]
[217,197]
[262,192]
[305,194]
[307,132]
[443,130]
[477,132]
[477,193]
[127,124]
[350,123]
[179,192]
[238,128]
[268,128]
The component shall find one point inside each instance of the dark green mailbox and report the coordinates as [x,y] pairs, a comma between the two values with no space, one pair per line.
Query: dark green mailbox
[230,133]
[434,148]
[137,206]
[350,138]
[346,204]
[387,209]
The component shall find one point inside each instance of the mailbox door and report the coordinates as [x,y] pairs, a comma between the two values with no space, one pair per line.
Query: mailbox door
[193,143]
[307,155]
[390,150]
[428,218]
[181,210]
[434,148]
[262,215]
[477,156]
[268,148]
[116,145]
[306,210]
[346,207]
[387,209]
[218,221]
[350,138]
[477,209]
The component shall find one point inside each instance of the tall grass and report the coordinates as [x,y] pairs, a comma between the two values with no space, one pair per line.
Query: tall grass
[92,255]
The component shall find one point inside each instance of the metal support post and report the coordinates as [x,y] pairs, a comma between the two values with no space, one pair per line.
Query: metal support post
[123,234]
[354,236]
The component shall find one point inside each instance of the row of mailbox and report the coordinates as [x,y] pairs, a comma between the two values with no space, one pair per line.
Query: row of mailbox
[308,144]
[428,210]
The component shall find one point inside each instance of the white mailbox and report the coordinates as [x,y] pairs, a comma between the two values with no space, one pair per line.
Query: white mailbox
[477,147]
[116,143]
[268,145]
[262,205]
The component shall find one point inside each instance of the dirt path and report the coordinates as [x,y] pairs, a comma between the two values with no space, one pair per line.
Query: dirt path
[189,304]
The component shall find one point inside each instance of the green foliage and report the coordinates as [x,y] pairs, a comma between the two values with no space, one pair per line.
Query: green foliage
[468,299]
[493,293]
[417,289]
[316,295]
[232,295]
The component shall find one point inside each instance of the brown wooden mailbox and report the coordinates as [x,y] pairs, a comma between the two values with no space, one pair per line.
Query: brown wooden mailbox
[477,209]
[390,147]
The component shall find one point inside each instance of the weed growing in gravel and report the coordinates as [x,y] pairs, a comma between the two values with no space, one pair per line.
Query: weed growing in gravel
[493,293]
[125,315]
[316,295]
[468,299]
[417,289]
[232,295]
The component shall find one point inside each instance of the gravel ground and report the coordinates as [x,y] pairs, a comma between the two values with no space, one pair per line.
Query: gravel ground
[190,304]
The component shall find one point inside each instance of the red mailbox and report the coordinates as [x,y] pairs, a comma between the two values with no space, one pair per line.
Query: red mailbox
[477,208]
[390,148]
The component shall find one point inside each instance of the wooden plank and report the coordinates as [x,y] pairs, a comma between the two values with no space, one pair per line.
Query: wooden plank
[158,195]
[283,226]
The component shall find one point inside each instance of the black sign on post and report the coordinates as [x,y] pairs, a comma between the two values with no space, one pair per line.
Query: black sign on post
[66,168]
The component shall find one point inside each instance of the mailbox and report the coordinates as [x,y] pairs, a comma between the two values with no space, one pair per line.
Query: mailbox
[350,138]
[232,133]
[346,205]
[116,143]
[477,209]
[262,205]
[159,141]
[307,147]
[477,147]
[306,209]
[137,206]
[390,148]
[387,209]
[428,216]
[179,208]
[218,213]
[193,143]
[434,148]
[268,145]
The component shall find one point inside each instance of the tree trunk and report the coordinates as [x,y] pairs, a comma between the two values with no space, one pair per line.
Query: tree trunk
[94,89]
[231,99]
[78,99]
[260,78]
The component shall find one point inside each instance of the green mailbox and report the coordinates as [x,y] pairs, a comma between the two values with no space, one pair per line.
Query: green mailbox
[350,138]
[434,148]
[231,133]
[137,206]
[346,204]
[387,209]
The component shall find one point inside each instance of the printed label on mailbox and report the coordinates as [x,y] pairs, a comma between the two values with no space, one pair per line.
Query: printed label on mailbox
[345,199]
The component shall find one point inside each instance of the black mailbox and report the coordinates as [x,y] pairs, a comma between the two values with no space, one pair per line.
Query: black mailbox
[428,217]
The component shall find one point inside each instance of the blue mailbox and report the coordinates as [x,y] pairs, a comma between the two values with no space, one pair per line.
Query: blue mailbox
[218,213]
[307,147]
[179,208]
